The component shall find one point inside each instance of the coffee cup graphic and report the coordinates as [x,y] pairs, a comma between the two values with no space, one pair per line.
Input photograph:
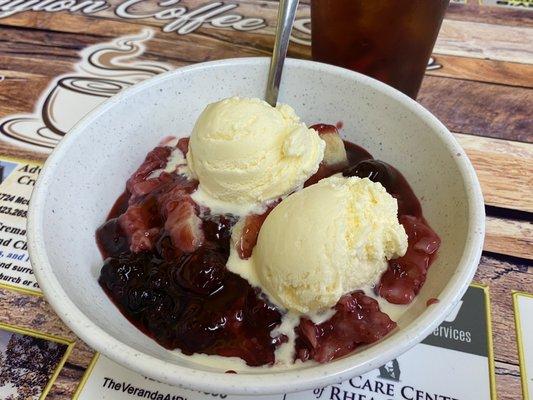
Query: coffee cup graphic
[82,94]
[103,71]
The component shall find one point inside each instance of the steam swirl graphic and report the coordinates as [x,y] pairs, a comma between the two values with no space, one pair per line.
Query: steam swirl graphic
[112,61]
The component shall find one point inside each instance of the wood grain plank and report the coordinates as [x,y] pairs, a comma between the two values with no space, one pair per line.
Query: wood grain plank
[513,238]
[508,384]
[20,153]
[27,50]
[503,275]
[482,40]
[16,66]
[475,12]
[202,45]
[480,108]
[96,25]
[192,48]
[489,71]
[18,94]
[249,8]
[504,168]
[66,383]
[57,43]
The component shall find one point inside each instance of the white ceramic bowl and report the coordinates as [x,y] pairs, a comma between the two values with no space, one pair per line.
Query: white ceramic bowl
[89,168]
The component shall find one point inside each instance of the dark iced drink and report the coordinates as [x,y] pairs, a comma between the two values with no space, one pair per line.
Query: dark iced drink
[390,40]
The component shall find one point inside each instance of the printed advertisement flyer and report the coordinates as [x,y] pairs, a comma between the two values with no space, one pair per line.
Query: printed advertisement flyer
[17,179]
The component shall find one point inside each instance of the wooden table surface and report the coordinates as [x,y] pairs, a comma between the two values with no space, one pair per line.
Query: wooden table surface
[483,93]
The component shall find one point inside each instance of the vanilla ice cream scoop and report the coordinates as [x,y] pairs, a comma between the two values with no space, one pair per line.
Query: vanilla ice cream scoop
[245,152]
[326,240]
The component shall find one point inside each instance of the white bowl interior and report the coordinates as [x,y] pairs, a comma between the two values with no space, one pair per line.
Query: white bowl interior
[89,170]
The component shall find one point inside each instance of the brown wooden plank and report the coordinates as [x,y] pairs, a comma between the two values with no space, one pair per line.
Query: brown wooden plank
[473,11]
[163,47]
[100,28]
[482,40]
[480,108]
[195,47]
[61,45]
[503,275]
[16,66]
[489,71]
[505,170]
[18,94]
[513,238]
[99,24]
[508,385]
[66,383]
[17,152]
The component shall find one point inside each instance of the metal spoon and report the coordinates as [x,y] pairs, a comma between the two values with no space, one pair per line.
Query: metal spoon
[286,14]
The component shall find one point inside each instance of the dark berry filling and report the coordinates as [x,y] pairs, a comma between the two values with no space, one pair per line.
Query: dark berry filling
[165,268]
[193,303]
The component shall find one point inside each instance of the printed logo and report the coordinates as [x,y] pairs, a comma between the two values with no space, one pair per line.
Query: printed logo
[390,371]
[104,70]
[5,169]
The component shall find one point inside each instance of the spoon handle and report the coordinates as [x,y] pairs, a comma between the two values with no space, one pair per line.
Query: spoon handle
[286,14]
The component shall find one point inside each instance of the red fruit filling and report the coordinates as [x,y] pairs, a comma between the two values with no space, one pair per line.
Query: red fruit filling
[357,321]
[165,266]
[250,231]
[405,276]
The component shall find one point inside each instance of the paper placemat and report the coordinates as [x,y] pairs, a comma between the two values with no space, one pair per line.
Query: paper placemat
[57,66]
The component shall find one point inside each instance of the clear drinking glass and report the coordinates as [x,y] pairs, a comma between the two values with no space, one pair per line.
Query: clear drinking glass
[390,40]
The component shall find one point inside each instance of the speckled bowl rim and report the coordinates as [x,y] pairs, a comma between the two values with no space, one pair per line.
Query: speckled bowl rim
[269,382]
